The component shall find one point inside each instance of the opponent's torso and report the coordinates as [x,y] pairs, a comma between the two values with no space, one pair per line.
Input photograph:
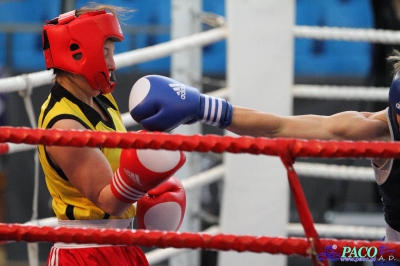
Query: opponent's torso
[68,203]
[388,179]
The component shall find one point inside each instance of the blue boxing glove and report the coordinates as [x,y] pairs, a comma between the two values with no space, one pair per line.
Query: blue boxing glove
[160,103]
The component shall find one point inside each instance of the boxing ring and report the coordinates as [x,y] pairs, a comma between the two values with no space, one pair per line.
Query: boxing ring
[311,238]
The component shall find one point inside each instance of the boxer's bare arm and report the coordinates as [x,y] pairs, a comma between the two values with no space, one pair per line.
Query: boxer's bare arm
[348,125]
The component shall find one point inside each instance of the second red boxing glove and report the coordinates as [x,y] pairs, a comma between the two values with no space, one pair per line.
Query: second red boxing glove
[163,207]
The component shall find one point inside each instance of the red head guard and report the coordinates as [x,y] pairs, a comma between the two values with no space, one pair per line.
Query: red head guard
[76,44]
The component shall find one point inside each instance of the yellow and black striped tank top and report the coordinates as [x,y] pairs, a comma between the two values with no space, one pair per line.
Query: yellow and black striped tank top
[68,203]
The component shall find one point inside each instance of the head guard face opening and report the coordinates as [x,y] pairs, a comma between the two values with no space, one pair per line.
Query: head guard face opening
[394,94]
[76,44]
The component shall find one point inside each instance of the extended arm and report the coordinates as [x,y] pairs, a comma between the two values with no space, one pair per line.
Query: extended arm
[349,125]
[160,103]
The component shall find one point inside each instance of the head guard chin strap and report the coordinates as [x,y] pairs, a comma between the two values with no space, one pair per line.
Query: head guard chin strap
[76,44]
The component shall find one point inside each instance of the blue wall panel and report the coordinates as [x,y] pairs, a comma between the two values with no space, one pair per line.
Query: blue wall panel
[312,57]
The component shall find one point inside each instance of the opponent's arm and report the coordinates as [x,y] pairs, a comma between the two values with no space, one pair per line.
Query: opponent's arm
[160,103]
[349,125]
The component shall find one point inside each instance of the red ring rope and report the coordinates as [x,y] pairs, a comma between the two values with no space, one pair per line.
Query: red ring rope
[207,143]
[286,149]
[163,239]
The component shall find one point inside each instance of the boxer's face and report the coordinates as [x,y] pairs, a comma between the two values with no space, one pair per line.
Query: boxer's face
[109,48]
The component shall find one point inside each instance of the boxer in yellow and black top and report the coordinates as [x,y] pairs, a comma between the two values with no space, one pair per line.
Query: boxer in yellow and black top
[96,187]
[68,203]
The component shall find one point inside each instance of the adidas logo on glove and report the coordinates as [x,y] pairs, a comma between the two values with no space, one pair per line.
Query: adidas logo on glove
[179,89]
[133,176]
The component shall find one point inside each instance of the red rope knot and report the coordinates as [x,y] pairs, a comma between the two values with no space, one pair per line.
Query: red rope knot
[284,149]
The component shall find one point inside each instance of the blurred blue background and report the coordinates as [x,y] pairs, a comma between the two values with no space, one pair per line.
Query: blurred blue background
[318,62]
[20,47]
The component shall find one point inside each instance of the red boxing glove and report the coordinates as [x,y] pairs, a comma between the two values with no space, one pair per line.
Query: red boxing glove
[142,170]
[163,207]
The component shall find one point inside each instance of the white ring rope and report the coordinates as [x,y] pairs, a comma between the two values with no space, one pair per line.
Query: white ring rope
[347,34]
[167,48]
[349,93]
[340,231]
[19,147]
[22,82]
[337,172]
[204,178]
